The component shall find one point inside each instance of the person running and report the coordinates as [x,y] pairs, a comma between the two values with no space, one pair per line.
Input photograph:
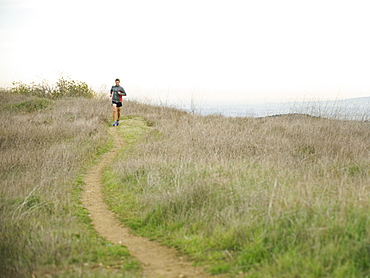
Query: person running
[116,93]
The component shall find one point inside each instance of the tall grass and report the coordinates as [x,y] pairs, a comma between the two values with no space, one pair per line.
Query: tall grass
[45,146]
[283,196]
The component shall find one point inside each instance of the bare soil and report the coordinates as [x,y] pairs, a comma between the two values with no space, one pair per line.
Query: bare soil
[156,260]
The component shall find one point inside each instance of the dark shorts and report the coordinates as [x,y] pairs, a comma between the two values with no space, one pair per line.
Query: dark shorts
[118,103]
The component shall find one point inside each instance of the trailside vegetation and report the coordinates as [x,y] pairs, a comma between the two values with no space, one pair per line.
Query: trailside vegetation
[285,196]
[45,146]
[64,87]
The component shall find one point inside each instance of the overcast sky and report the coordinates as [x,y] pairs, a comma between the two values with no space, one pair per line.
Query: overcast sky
[209,49]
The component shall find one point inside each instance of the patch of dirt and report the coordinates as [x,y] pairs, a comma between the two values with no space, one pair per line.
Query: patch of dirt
[157,261]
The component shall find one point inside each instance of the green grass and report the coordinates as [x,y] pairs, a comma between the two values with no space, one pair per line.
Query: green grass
[133,129]
[32,105]
[274,197]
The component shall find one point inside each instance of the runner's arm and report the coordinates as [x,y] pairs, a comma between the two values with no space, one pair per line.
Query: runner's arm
[122,92]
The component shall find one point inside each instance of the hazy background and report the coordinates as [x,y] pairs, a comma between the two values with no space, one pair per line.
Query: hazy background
[168,50]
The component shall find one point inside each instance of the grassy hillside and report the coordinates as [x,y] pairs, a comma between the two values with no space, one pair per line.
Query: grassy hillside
[283,196]
[45,145]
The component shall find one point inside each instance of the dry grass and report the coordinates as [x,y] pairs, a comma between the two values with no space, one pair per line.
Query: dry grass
[283,196]
[44,148]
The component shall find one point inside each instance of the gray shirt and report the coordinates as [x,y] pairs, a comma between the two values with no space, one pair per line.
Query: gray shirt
[117,93]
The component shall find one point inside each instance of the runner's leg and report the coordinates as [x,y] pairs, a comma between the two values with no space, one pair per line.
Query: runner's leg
[118,113]
[114,106]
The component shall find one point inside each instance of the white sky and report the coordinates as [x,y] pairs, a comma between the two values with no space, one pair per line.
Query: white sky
[206,49]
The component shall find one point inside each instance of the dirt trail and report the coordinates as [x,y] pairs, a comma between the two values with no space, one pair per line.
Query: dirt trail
[157,261]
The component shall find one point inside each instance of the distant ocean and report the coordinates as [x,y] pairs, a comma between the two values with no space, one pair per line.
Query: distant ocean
[346,109]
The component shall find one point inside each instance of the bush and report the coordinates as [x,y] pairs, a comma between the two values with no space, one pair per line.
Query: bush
[32,105]
[64,87]
[72,88]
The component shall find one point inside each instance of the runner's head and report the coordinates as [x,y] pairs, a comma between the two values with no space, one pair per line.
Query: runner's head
[117,81]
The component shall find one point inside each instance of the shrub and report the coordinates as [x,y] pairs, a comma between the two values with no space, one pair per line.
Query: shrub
[72,88]
[64,87]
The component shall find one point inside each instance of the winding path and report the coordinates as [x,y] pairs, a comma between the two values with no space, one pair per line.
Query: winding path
[157,261]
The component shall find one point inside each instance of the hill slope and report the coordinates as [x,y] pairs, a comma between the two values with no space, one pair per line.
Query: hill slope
[270,197]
